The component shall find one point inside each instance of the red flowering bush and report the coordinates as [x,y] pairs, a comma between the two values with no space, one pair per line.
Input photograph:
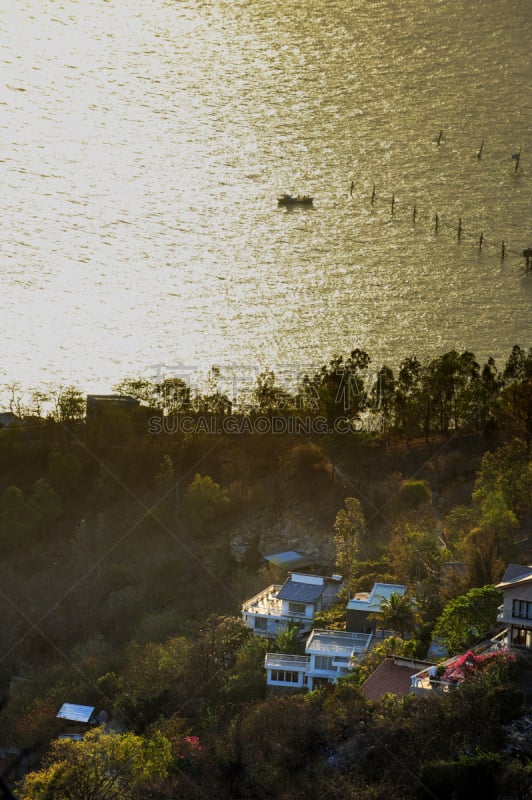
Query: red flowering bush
[186,749]
[469,664]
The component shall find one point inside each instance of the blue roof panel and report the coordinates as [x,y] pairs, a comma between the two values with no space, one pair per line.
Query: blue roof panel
[300,592]
[75,713]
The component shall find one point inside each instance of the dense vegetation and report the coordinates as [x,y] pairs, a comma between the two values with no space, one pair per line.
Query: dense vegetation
[120,587]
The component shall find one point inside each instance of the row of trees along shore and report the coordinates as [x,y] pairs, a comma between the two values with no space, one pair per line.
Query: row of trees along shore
[423,398]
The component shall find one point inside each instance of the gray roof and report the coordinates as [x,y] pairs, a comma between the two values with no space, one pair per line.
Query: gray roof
[115,399]
[300,592]
[7,418]
[289,558]
[515,571]
[75,713]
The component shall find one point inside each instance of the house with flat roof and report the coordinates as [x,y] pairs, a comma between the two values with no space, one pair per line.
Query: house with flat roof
[328,656]
[362,604]
[516,610]
[294,602]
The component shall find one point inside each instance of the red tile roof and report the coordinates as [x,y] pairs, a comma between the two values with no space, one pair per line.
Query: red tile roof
[389,677]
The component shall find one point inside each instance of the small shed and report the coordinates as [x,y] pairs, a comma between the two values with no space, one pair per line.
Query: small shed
[290,560]
[75,713]
[100,406]
[76,718]
[8,420]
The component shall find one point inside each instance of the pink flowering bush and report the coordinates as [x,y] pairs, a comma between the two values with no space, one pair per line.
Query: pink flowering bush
[186,749]
[469,664]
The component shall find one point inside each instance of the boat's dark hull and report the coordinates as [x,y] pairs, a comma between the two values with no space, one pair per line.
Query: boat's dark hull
[288,200]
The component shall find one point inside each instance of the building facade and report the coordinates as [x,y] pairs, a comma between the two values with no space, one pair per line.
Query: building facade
[294,602]
[363,604]
[516,610]
[329,655]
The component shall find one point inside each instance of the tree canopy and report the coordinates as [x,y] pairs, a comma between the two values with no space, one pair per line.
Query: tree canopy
[468,618]
[349,532]
[396,613]
[102,766]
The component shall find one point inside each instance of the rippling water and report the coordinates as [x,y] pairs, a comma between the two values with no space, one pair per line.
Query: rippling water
[143,145]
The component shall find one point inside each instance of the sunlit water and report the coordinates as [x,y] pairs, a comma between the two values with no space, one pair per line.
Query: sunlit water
[143,146]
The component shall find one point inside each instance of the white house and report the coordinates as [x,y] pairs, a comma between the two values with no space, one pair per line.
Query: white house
[328,656]
[516,610]
[296,601]
[287,670]
[363,604]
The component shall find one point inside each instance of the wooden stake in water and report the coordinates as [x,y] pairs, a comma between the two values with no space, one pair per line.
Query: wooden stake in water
[436,223]
[459,228]
[481,239]
[503,251]
[373,195]
[439,137]
[479,154]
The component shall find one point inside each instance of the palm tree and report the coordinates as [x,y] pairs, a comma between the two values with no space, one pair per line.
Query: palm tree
[397,613]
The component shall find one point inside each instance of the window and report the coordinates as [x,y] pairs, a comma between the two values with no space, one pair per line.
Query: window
[522,609]
[323,662]
[296,608]
[284,676]
[261,623]
[522,637]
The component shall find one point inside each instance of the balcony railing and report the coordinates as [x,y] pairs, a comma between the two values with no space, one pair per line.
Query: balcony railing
[426,685]
[284,661]
[264,602]
[380,633]
[345,644]
[295,614]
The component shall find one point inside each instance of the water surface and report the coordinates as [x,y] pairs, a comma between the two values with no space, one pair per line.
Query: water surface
[143,145]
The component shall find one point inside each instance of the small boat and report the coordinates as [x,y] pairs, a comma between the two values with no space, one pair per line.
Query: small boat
[297,200]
